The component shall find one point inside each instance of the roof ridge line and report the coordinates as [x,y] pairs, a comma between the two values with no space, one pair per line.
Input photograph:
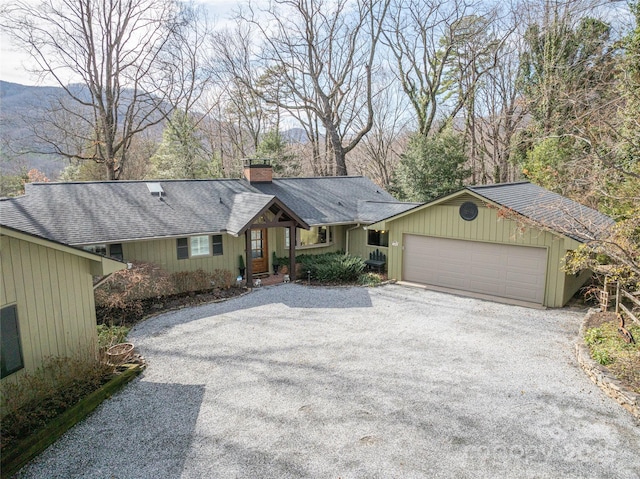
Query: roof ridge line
[497,185]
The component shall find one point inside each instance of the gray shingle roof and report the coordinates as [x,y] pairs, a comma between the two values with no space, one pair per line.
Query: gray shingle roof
[80,213]
[112,211]
[373,211]
[548,209]
[326,200]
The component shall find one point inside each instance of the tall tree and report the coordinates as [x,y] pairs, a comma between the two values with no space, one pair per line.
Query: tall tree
[181,154]
[107,55]
[427,39]
[378,153]
[275,147]
[430,167]
[568,81]
[320,54]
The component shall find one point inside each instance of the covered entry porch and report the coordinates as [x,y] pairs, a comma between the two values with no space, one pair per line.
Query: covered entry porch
[274,215]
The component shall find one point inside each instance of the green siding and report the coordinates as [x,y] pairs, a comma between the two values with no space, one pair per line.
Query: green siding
[53,292]
[358,244]
[443,220]
[163,251]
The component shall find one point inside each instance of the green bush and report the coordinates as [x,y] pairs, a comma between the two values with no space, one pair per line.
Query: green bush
[332,267]
[370,279]
[111,335]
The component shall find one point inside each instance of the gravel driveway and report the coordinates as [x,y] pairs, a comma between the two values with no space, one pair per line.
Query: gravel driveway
[390,382]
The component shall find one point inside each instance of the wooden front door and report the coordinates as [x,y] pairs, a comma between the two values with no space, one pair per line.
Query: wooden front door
[259,251]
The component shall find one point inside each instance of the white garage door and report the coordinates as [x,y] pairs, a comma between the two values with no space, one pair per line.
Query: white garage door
[507,271]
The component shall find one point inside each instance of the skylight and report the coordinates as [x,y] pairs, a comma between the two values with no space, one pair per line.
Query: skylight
[155,189]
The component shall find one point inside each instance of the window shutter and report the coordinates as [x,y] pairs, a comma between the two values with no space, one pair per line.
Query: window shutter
[183,248]
[11,353]
[115,251]
[217,245]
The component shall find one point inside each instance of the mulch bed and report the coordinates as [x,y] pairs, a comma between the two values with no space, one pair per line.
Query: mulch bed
[597,319]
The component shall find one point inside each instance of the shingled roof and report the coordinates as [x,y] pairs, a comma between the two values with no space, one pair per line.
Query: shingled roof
[547,209]
[111,211]
[327,200]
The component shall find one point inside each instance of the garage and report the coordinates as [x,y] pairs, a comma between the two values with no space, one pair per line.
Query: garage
[506,241]
[503,270]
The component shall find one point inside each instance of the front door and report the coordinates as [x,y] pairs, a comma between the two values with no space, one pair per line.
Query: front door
[259,256]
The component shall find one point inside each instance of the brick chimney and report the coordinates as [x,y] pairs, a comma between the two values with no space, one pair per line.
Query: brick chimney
[258,170]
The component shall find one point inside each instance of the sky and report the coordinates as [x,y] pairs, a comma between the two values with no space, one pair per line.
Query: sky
[13,61]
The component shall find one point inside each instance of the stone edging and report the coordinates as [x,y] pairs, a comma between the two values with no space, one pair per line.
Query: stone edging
[603,377]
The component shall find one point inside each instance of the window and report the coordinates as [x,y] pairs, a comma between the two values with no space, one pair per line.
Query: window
[378,238]
[115,251]
[183,248]
[287,238]
[217,245]
[199,246]
[11,349]
[317,235]
[97,248]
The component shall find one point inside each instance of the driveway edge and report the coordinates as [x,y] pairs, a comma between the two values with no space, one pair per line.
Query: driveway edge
[603,378]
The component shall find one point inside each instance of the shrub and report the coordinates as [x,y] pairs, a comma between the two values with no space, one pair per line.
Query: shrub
[121,297]
[111,335]
[332,267]
[609,349]
[187,281]
[142,281]
[199,280]
[370,279]
[223,279]
[33,400]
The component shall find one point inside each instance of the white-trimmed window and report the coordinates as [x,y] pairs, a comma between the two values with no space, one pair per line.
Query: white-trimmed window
[316,236]
[200,246]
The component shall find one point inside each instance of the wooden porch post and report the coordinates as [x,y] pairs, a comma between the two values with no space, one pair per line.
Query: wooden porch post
[249,259]
[292,252]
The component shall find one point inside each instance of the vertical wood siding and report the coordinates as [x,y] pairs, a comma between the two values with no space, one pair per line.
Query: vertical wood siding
[163,253]
[444,221]
[358,244]
[53,292]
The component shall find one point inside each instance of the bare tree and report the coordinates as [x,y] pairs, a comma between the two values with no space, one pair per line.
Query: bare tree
[424,37]
[503,112]
[104,54]
[320,54]
[378,153]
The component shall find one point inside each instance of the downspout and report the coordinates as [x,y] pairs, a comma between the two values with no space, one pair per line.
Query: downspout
[347,239]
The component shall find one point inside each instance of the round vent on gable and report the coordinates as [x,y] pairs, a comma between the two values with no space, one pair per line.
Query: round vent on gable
[468,211]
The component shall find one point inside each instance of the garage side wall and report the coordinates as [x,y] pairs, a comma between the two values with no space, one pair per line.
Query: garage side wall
[53,294]
[444,221]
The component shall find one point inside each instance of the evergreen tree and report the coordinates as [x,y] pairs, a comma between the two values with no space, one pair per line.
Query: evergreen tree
[430,167]
[181,153]
[274,147]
